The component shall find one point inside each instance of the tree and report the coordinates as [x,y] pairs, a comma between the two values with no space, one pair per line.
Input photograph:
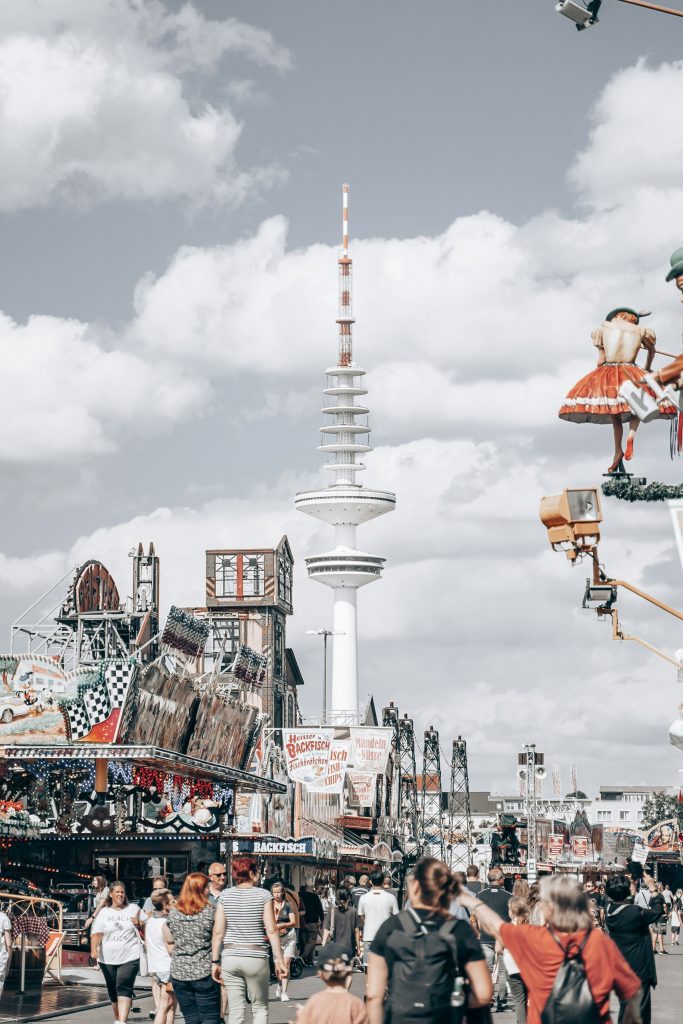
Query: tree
[659,807]
[578,794]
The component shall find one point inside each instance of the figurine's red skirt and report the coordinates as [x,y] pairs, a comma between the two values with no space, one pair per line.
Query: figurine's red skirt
[595,399]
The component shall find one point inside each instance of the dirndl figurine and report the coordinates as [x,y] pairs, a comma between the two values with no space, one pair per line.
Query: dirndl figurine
[596,399]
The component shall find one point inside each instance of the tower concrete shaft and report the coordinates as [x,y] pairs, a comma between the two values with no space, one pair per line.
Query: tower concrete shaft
[344,504]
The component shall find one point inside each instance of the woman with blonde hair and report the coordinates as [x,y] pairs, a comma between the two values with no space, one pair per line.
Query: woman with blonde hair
[568,934]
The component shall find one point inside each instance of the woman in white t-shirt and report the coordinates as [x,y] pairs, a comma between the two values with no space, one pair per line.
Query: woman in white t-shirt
[115,942]
[5,947]
[158,956]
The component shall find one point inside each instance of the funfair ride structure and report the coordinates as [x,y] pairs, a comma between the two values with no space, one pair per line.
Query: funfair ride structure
[344,504]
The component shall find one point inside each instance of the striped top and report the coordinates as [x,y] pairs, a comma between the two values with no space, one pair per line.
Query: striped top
[246,935]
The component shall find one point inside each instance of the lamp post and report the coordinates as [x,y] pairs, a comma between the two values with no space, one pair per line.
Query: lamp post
[324,633]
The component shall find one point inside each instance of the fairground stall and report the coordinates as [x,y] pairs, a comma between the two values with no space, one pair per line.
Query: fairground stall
[120,769]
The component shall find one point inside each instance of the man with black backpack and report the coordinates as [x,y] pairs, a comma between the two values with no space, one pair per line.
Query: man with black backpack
[569,968]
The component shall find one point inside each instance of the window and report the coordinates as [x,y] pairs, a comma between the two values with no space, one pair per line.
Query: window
[226,575]
[284,580]
[279,659]
[223,641]
[604,815]
[624,815]
[291,716]
[277,710]
[252,575]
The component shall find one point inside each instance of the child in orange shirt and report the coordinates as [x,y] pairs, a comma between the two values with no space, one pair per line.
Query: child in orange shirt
[335,1004]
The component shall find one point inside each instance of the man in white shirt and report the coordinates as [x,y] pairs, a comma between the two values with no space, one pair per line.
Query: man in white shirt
[374,908]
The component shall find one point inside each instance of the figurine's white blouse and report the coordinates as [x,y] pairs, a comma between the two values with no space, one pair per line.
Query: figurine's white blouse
[621,341]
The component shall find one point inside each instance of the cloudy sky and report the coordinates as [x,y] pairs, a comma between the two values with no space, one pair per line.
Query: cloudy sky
[169,217]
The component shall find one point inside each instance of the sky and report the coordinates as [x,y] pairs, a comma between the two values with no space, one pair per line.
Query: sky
[170,189]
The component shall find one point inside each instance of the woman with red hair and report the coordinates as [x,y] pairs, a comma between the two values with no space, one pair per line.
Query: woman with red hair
[194,938]
[251,925]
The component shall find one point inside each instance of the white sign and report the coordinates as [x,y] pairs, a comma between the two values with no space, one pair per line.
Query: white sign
[361,788]
[531,870]
[308,753]
[370,749]
[640,852]
[333,780]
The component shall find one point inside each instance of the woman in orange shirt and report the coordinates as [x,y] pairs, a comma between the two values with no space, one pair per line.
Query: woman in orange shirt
[540,951]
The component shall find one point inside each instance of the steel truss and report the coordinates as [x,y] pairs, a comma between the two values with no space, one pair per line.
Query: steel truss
[432,826]
[460,844]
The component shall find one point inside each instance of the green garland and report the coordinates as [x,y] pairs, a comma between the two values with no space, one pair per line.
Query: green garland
[627,491]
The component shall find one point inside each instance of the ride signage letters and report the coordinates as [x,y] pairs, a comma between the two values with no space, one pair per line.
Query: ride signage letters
[272,847]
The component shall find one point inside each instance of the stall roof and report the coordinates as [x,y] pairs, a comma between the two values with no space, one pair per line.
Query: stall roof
[153,757]
[348,842]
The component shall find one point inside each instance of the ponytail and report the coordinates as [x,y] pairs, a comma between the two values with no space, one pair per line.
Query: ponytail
[437,884]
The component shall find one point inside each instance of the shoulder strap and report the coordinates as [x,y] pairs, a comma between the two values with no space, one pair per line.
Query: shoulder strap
[410,922]
[565,949]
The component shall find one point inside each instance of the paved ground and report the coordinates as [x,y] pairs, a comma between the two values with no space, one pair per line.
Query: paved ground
[667,1001]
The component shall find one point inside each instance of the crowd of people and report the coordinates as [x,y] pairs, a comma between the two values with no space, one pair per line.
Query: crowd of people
[460,948]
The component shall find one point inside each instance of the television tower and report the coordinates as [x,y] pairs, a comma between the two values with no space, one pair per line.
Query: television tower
[344,504]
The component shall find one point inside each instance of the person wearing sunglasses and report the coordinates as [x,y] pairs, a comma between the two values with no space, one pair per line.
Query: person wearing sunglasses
[218,877]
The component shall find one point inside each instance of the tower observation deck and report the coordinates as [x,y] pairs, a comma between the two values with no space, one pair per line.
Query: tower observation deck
[344,503]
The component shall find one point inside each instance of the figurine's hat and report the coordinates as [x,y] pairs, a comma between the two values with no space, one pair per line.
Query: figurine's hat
[676,262]
[627,309]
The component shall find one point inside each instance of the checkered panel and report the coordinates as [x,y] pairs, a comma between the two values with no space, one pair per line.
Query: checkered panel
[75,718]
[96,700]
[118,676]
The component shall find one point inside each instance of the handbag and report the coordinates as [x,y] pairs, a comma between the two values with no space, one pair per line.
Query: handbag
[143,970]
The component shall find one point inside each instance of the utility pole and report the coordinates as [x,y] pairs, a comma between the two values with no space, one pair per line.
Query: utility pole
[460,842]
[324,633]
[432,823]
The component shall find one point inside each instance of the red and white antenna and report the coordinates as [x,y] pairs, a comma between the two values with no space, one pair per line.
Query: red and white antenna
[345,318]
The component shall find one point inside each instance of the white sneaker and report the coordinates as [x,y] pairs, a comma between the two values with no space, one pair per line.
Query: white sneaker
[284,997]
[277,991]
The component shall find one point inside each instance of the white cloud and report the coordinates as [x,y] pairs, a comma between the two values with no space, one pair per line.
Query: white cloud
[67,396]
[474,611]
[475,333]
[94,104]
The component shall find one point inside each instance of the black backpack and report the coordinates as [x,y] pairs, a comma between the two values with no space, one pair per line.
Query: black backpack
[571,1000]
[425,968]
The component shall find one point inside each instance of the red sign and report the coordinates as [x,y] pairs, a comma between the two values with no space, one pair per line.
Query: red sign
[555,846]
[580,847]
[352,821]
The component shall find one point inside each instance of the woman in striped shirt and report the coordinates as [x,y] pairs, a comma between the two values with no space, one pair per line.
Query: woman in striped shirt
[250,926]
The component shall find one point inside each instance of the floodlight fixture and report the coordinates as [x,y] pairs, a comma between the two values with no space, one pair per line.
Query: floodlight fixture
[572,520]
[600,596]
[582,14]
